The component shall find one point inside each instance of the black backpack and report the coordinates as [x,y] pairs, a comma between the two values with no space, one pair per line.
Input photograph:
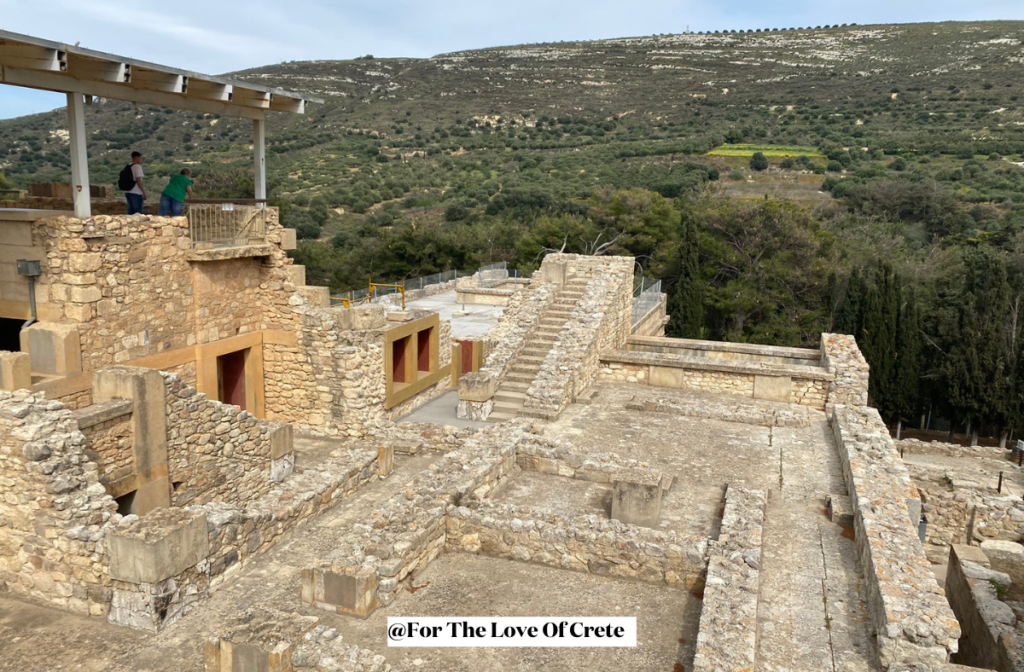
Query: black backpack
[125,179]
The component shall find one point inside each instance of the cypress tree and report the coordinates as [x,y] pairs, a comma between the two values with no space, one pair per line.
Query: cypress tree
[686,305]
[850,312]
[909,364]
[877,339]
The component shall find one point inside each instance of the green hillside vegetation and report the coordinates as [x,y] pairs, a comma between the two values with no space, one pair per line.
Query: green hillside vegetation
[822,173]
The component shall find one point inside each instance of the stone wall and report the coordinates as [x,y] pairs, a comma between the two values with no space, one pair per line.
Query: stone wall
[918,447]
[584,543]
[762,413]
[990,638]
[109,437]
[333,381]
[841,357]
[910,615]
[804,385]
[727,639]
[600,321]
[217,452]
[54,512]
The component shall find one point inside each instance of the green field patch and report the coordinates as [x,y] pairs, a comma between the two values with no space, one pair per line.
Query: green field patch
[767,150]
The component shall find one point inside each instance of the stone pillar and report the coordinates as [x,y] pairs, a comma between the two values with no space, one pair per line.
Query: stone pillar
[149,429]
[476,392]
[1006,557]
[282,451]
[346,590]
[15,370]
[316,296]
[258,640]
[636,498]
[385,459]
[54,348]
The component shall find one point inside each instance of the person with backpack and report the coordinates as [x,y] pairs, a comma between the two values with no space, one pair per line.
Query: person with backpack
[173,198]
[130,182]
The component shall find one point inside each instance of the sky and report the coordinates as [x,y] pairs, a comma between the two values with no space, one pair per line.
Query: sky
[229,35]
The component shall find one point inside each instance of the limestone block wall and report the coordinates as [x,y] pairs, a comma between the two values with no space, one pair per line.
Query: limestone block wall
[989,637]
[582,543]
[727,639]
[918,447]
[503,341]
[600,321]
[910,615]
[54,512]
[136,290]
[215,451]
[948,504]
[109,437]
[841,356]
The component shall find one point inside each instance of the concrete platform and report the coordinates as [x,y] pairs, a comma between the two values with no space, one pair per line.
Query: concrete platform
[474,323]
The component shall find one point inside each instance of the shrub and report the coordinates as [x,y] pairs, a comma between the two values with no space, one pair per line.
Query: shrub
[787,163]
[736,174]
[759,161]
[455,213]
[834,167]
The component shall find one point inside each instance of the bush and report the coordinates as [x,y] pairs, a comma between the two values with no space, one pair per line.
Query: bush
[819,169]
[455,213]
[759,161]
[307,230]
[834,167]
[736,174]
[787,163]
[898,165]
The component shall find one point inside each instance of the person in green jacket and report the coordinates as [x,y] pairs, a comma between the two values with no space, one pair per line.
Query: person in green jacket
[173,198]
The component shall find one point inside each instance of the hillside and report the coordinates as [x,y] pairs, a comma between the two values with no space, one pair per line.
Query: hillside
[917,87]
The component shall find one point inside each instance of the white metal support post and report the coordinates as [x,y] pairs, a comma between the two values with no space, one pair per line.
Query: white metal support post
[79,157]
[260,158]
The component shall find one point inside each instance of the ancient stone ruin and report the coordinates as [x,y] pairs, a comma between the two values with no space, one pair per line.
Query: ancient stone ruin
[203,461]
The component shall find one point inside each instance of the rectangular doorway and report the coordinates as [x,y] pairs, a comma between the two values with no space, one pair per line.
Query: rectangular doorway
[231,378]
[398,360]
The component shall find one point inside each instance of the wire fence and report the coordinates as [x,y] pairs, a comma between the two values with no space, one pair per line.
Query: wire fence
[358,296]
[645,298]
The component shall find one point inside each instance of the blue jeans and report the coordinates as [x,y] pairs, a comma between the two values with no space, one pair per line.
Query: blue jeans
[134,203]
[169,206]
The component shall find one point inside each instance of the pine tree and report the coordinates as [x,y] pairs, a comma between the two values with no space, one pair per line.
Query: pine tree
[909,364]
[877,338]
[686,306]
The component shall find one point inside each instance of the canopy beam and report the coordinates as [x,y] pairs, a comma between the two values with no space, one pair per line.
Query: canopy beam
[80,191]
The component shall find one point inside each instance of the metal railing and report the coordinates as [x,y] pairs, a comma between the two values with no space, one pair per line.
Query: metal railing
[645,298]
[376,291]
[219,223]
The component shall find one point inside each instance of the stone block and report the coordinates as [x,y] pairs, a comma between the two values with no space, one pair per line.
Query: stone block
[1007,557]
[257,640]
[359,318]
[636,497]
[554,271]
[385,459]
[296,274]
[84,262]
[346,590]
[289,241]
[53,348]
[158,546]
[840,510]
[477,386]
[773,388]
[85,294]
[316,296]
[282,468]
[15,370]
[282,439]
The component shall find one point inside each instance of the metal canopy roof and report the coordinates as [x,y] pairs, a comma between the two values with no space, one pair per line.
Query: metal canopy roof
[41,64]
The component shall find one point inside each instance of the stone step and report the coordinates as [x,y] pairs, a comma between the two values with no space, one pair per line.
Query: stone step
[508,395]
[535,351]
[507,407]
[526,359]
[498,416]
[521,376]
[515,385]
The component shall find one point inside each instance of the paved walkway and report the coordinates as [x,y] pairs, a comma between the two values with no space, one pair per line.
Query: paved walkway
[441,411]
[469,320]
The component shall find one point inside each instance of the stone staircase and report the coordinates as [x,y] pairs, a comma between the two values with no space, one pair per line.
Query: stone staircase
[511,393]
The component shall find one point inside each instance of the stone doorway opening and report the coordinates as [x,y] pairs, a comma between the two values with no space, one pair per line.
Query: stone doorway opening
[231,378]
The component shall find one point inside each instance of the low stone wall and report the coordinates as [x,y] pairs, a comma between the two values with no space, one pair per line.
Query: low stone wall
[600,321]
[727,639]
[990,638]
[841,357]
[948,501]
[54,512]
[217,452]
[918,447]
[762,413]
[584,543]
[910,615]
[804,385]
[170,560]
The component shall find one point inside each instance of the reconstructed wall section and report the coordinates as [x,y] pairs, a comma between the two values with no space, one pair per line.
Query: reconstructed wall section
[727,639]
[54,512]
[910,615]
